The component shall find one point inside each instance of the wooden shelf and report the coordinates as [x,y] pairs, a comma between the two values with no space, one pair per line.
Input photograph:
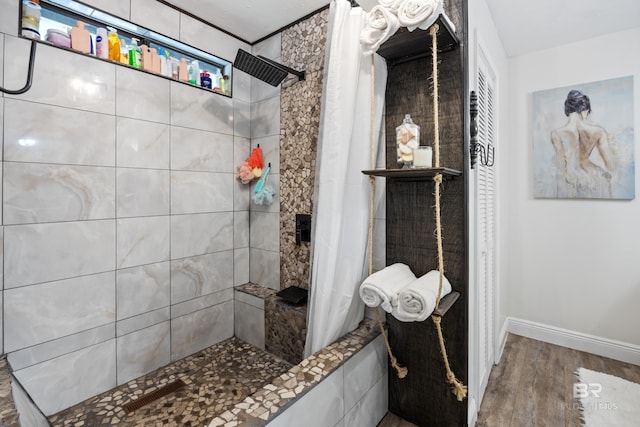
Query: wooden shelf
[445,303]
[405,45]
[413,174]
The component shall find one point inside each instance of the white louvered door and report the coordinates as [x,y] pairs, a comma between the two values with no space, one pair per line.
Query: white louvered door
[485,222]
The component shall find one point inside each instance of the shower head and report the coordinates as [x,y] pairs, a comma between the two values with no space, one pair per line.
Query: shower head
[263,68]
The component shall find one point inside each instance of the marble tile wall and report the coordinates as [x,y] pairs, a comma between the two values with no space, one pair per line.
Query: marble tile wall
[249,318]
[264,235]
[124,228]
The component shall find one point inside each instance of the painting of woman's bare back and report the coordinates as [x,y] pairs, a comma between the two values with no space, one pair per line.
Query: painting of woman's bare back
[583,141]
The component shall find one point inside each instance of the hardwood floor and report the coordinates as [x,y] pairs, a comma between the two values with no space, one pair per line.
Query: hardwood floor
[533,386]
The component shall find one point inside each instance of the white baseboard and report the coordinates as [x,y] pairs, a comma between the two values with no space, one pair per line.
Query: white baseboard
[612,349]
[502,341]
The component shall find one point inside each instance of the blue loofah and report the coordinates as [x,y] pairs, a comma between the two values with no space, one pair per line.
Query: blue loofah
[263,194]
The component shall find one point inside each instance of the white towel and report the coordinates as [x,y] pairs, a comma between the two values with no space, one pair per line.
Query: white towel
[417,300]
[391,5]
[419,13]
[380,24]
[381,288]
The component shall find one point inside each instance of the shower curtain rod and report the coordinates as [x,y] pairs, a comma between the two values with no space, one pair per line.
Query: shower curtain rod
[27,86]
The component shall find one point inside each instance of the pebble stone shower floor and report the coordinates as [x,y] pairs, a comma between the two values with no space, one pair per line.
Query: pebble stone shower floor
[216,379]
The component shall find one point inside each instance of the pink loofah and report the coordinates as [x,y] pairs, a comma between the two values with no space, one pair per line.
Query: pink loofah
[245,173]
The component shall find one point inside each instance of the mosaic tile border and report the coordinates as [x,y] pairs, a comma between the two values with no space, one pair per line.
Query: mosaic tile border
[8,413]
[263,406]
[256,290]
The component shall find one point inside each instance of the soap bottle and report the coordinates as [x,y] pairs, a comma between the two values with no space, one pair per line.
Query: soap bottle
[205,79]
[169,61]
[163,62]
[194,72]
[114,45]
[175,68]
[102,43]
[30,22]
[407,140]
[218,81]
[80,38]
[183,70]
[146,60]
[156,60]
[223,85]
[124,52]
[135,54]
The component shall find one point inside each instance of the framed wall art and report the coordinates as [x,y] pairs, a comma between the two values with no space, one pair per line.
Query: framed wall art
[583,141]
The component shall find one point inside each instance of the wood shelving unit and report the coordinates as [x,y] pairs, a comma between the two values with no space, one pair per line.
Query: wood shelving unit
[407,45]
[413,174]
[410,216]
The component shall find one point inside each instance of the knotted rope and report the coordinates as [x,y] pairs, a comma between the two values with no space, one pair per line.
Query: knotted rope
[401,371]
[459,389]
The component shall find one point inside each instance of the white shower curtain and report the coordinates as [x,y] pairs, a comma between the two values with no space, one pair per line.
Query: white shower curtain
[341,199]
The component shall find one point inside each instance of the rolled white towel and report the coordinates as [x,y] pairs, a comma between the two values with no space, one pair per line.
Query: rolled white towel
[381,288]
[417,300]
[419,13]
[380,24]
[391,5]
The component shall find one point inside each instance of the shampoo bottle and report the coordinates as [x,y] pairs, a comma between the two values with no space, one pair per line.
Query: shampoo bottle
[163,62]
[102,43]
[135,59]
[205,79]
[124,52]
[175,67]
[30,22]
[183,71]
[156,60]
[223,84]
[217,82]
[114,45]
[194,72]
[146,61]
[80,38]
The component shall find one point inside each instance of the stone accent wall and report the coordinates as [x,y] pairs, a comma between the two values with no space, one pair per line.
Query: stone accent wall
[303,47]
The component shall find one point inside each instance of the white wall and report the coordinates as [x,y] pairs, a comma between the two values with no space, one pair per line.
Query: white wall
[569,264]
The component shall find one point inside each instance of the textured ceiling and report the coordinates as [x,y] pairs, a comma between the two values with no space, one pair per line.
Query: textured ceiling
[250,19]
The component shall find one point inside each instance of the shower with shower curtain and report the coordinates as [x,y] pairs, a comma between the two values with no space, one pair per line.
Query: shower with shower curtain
[341,210]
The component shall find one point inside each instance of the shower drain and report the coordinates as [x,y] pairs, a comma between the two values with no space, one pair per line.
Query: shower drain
[153,396]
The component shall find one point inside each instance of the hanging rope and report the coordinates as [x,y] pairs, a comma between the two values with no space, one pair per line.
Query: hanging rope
[459,389]
[401,371]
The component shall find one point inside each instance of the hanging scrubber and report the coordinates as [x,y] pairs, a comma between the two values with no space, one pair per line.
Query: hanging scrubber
[252,167]
[263,194]
[256,162]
